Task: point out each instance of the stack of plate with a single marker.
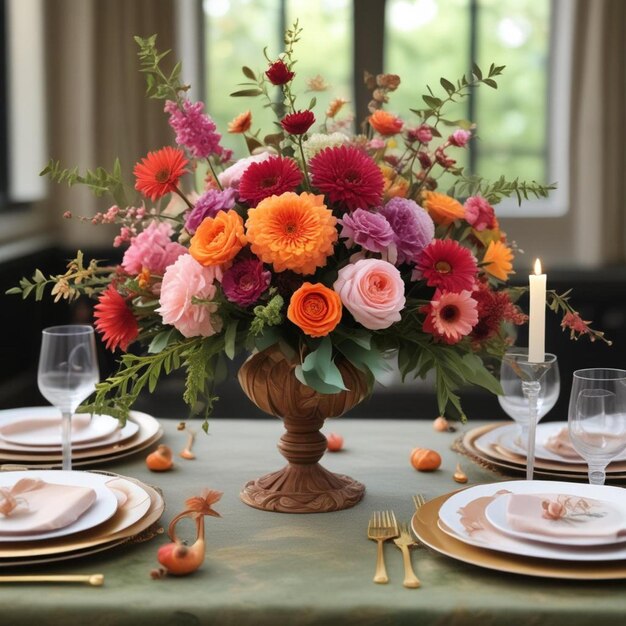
(497, 446)
(123, 509)
(502, 526)
(31, 437)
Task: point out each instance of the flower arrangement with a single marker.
(324, 242)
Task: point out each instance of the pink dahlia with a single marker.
(183, 281)
(371, 231)
(152, 249)
(349, 176)
(446, 264)
(479, 213)
(245, 281)
(114, 320)
(271, 177)
(450, 316)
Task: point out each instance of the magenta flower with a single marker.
(460, 137)
(152, 249)
(479, 213)
(371, 231)
(245, 281)
(414, 229)
(194, 129)
(208, 205)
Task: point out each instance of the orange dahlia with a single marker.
(498, 260)
(442, 208)
(315, 309)
(241, 123)
(158, 173)
(292, 232)
(385, 123)
(218, 239)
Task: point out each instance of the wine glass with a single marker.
(68, 373)
(597, 418)
(514, 401)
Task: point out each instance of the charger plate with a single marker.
(425, 527)
(150, 431)
(112, 533)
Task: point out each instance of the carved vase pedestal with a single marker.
(303, 485)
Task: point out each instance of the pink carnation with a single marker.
(479, 213)
(460, 137)
(373, 291)
(184, 280)
(231, 176)
(152, 249)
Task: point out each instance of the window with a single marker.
(518, 133)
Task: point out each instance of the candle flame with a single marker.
(537, 267)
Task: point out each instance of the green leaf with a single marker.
(318, 366)
(161, 340)
(267, 338)
(492, 83)
(312, 103)
(230, 337)
(476, 71)
(432, 101)
(364, 359)
(246, 92)
(311, 379)
(447, 85)
(248, 73)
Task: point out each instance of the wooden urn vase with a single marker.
(303, 485)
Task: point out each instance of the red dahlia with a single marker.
(347, 175)
(278, 73)
(494, 307)
(115, 320)
(298, 123)
(159, 172)
(271, 177)
(446, 264)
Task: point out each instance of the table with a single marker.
(276, 569)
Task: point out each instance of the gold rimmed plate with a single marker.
(425, 527)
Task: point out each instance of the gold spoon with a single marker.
(95, 580)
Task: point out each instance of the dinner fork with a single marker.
(418, 501)
(404, 542)
(382, 526)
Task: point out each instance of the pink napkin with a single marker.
(558, 515)
(561, 444)
(35, 506)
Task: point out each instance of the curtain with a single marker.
(97, 108)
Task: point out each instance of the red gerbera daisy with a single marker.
(271, 177)
(159, 172)
(115, 320)
(348, 175)
(298, 123)
(446, 264)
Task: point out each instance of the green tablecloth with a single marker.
(271, 568)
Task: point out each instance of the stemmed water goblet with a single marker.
(530, 391)
(597, 418)
(67, 374)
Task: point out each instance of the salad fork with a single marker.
(418, 501)
(382, 526)
(404, 542)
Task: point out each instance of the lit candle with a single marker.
(537, 316)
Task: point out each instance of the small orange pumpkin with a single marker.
(425, 460)
(334, 442)
(160, 460)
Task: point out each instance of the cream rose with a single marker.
(373, 291)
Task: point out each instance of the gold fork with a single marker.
(418, 500)
(382, 526)
(404, 542)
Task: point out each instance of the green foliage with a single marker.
(319, 371)
(493, 192)
(267, 315)
(159, 84)
(99, 181)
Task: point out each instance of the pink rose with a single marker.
(231, 176)
(479, 213)
(460, 137)
(373, 291)
(183, 281)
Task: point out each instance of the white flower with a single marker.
(318, 141)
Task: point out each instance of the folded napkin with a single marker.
(34, 506)
(558, 515)
(561, 444)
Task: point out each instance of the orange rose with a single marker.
(385, 123)
(218, 240)
(442, 208)
(315, 309)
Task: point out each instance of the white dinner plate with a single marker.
(101, 510)
(26, 427)
(478, 531)
(609, 527)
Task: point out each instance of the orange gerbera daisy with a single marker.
(442, 208)
(218, 239)
(395, 185)
(315, 309)
(498, 260)
(241, 124)
(385, 123)
(158, 173)
(292, 232)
